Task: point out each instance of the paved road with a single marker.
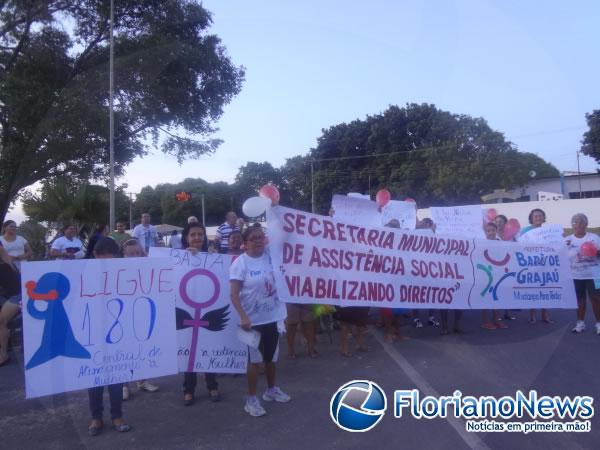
(548, 358)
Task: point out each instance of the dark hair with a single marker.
(503, 217)
(7, 223)
(107, 246)
(186, 230)
(492, 224)
(426, 223)
(235, 232)
(248, 231)
(533, 211)
(100, 228)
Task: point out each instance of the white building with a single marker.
(568, 185)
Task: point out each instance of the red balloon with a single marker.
(511, 229)
(270, 191)
(588, 249)
(383, 197)
(490, 214)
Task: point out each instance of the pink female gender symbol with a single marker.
(196, 323)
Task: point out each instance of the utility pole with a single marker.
(130, 210)
(578, 173)
(111, 120)
(203, 215)
(312, 185)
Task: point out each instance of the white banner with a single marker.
(207, 323)
(465, 221)
(320, 260)
(97, 322)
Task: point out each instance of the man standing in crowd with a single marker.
(145, 233)
(224, 230)
(120, 235)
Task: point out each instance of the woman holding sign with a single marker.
(583, 255)
(107, 248)
(254, 297)
(536, 218)
(193, 239)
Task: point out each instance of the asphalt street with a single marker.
(545, 357)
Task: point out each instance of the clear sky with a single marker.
(531, 69)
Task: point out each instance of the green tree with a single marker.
(591, 138)
(160, 202)
(62, 201)
(433, 156)
(172, 79)
(36, 237)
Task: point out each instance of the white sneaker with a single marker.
(580, 326)
(125, 392)
(147, 386)
(276, 394)
(598, 328)
(253, 407)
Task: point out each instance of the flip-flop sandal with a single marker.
(215, 396)
(95, 430)
(122, 428)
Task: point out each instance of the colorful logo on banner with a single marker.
(501, 264)
(57, 338)
(358, 406)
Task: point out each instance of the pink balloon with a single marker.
(588, 249)
(383, 197)
(270, 191)
(490, 214)
(511, 229)
(408, 199)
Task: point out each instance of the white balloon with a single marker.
(255, 206)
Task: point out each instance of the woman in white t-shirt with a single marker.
(16, 246)
(67, 246)
(583, 250)
(254, 297)
(537, 217)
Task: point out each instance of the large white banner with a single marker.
(207, 323)
(96, 322)
(320, 260)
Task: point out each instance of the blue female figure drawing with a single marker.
(57, 339)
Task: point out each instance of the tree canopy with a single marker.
(61, 201)
(591, 138)
(419, 151)
(172, 79)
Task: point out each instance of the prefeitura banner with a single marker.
(319, 260)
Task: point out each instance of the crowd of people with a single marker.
(252, 285)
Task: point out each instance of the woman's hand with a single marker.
(245, 323)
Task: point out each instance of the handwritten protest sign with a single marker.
(362, 211)
(356, 210)
(466, 221)
(97, 322)
(551, 234)
(318, 260)
(206, 322)
(405, 213)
